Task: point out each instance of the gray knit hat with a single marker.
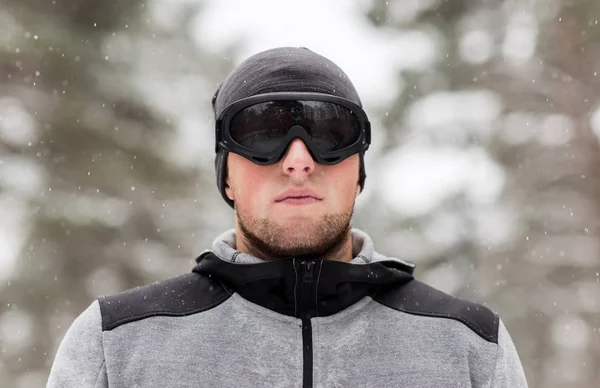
(285, 69)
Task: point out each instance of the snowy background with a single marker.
(484, 167)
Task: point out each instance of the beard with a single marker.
(269, 240)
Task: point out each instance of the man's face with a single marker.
(295, 206)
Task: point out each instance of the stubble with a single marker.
(268, 240)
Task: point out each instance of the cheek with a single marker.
(249, 186)
(345, 182)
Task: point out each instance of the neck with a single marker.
(341, 250)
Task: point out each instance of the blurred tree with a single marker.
(541, 60)
(112, 202)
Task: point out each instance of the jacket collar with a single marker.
(363, 251)
(278, 285)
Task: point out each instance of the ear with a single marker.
(228, 190)
(358, 189)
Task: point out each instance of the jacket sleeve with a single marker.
(79, 361)
(508, 372)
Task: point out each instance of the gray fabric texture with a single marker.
(241, 344)
(79, 360)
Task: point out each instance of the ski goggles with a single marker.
(261, 128)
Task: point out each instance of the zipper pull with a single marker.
(308, 267)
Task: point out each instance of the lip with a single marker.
(298, 196)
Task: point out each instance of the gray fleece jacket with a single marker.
(236, 321)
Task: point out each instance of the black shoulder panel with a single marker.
(418, 298)
(183, 295)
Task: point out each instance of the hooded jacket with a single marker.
(237, 321)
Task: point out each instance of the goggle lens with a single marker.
(262, 126)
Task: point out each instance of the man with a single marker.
(293, 297)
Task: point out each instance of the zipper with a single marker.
(307, 311)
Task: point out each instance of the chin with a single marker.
(297, 220)
(298, 226)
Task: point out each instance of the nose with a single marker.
(297, 161)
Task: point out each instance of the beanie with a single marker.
(284, 69)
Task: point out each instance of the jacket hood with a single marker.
(363, 250)
(332, 285)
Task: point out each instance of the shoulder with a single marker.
(418, 298)
(79, 359)
(179, 296)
